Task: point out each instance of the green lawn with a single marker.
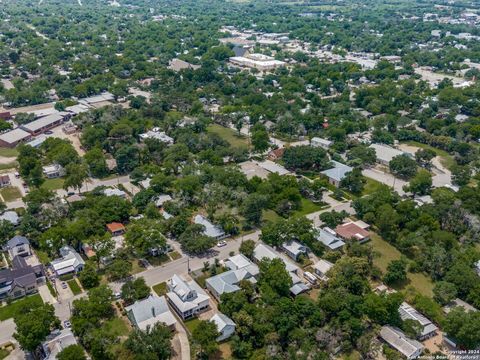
(160, 289)
(174, 255)
(229, 135)
(270, 216)
(7, 152)
(4, 353)
(9, 311)
(53, 184)
(74, 287)
(8, 166)
(115, 327)
(192, 324)
(371, 186)
(308, 207)
(10, 193)
(386, 253)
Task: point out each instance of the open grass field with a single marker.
(10, 193)
(8, 152)
(9, 311)
(53, 184)
(8, 166)
(74, 287)
(386, 253)
(308, 207)
(229, 135)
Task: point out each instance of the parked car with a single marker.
(64, 285)
(222, 243)
(143, 263)
(66, 324)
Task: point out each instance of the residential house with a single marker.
(459, 303)
(351, 231)
(294, 249)
(177, 65)
(320, 142)
(186, 297)
(156, 134)
(386, 153)
(162, 199)
(69, 262)
(56, 342)
(116, 229)
(210, 230)
(18, 246)
(53, 171)
(394, 337)
(276, 154)
(263, 251)
(329, 238)
(10, 216)
(321, 268)
(336, 174)
(150, 311)
(225, 326)
(115, 192)
(227, 282)
(4, 180)
(409, 313)
(21, 279)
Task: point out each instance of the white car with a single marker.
(222, 243)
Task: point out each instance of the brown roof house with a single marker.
(116, 229)
(351, 231)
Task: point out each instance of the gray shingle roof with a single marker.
(16, 241)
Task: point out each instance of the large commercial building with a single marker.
(257, 61)
(14, 137)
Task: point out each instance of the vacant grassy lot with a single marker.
(74, 287)
(116, 327)
(10, 193)
(308, 207)
(9, 311)
(7, 152)
(229, 135)
(371, 186)
(8, 166)
(160, 289)
(446, 159)
(386, 253)
(53, 184)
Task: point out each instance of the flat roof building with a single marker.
(44, 124)
(386, 153)
(14, 137)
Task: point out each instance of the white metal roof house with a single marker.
(328, 238)
(56, 342)
(225, 326)
(156, 134)
(53, 171)
(150, 311)
(211, 230)
(394, 337)
(428, 328)
(336, 174)
(114, 192)
(294, 249)
(10, 216)
(321, 268)
(227, 282)
(187, 298)
(70, 262)
(320, 142)
(162, 199)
